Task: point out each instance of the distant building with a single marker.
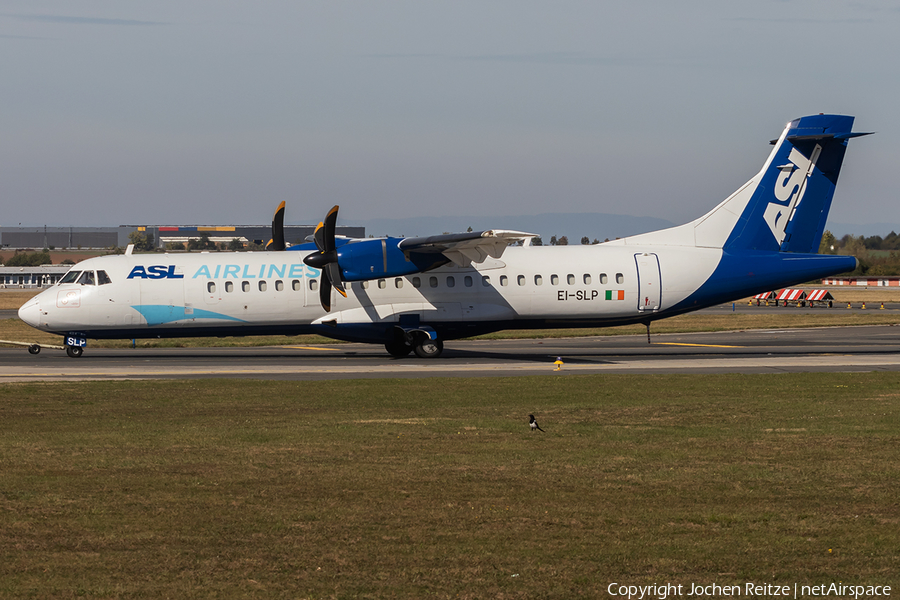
(15, 238)
(63, 237)
(31, 277)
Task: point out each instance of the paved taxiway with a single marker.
(864, 348)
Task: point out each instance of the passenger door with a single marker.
(649, 282)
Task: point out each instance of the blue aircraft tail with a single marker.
(792, 194)
(769, 230)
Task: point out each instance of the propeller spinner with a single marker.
(326, 259)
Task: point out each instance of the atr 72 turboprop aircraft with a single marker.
(411, 294)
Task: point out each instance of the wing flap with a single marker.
(463, 249)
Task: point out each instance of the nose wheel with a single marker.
(74, 351)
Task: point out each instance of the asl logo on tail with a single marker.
(790, 185)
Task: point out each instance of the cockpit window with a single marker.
(87, 278)
(103, 278)
(70, 277)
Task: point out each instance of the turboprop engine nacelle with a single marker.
(361, 260)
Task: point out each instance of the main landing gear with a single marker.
(398, 349)
(429, 348)
(424, 347)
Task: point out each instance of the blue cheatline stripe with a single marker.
(157, 314)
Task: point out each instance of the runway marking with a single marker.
(768, 364)
(312, 348)
(697, 345)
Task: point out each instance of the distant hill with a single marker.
(573, 225)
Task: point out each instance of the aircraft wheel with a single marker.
(430, 349)
(74, 351)
(34, 349)
(398, 349)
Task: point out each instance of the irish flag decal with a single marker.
(615, 294)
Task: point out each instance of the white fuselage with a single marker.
(275, 292)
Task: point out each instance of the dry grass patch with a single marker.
(13, 299)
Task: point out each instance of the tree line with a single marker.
(876, 255)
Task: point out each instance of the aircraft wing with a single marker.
(463, 249)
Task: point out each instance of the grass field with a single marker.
(436, 488)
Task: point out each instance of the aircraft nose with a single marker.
(30, 312)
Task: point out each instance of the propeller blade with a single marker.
(277, 242)
(325, 292)
(333, 273)
(326, 259)
(330, 222)
(319, 237)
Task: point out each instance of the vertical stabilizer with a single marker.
(784, 206)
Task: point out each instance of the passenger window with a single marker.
(313, 285)
(485, 281)
(295, 285)
(468, 281)
(554, 279)
(262, 286)
(70, 277)
(521, 279)
(364, 285)
(245, 286)
(382, 284)
(229, 287)
(504, 280)
(451, 282)
(603, 278)
(279, 285)
(587, 279)
(570, 279)
(103, 278)
(211, 287)
(417, 283)
(620, 278)
(87, 278)
(432, 281)
(398, 282)
(538, 280)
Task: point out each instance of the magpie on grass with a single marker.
(533, 424)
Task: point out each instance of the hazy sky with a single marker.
(212, 112)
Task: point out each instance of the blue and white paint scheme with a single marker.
(411, 294)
